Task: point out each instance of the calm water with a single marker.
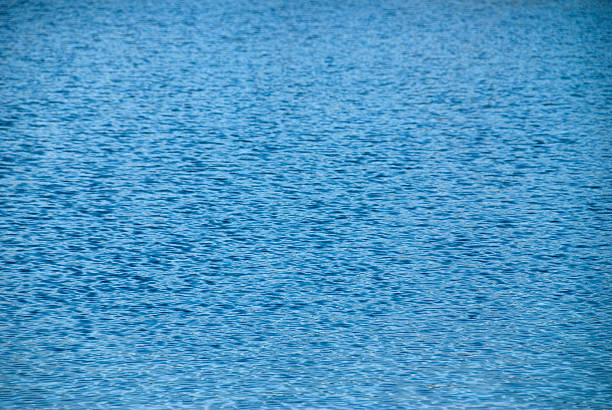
(292, 204)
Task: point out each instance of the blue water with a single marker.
(305, 204)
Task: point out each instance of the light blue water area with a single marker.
(305, 204)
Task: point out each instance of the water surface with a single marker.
(322, 204)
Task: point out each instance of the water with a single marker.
(320, 204)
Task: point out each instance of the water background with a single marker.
(307, 204)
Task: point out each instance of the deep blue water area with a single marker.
(305, 204)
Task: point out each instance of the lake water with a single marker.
(305, 204)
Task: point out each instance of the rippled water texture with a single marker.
(326, 204)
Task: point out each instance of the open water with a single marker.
(305, 204)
